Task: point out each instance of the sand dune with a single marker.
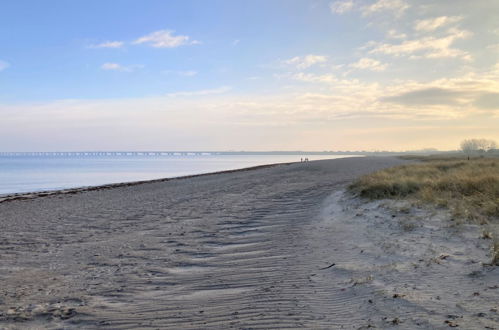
(276, 247)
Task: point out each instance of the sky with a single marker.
(248, 74)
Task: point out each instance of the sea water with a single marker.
(19, 174)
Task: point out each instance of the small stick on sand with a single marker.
(331, 265)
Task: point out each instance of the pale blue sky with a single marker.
(52, 53)
(252, 75)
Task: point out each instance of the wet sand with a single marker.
(275, 247)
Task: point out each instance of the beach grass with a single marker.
(468, 188)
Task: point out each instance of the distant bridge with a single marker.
(163, 153)
(102, 153)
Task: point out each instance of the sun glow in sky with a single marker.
(247, 75)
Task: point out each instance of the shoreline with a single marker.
(44, 193)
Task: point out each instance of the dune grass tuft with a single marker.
(469, 188)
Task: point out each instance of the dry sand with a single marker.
(277, 247)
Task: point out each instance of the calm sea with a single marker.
(20, 174)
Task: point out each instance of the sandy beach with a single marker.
(275, 247)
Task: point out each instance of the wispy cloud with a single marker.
(303, 62)
(165, 39)
(439, 99)
(451, 96)
(341, 7)
(3, 65)
(427, 96)
(369, 64)
(397, 7)
(393, 34)
(314, 78)
(426, 47)
(428, 25)
(473, 91)
(109, 44)
(110, 66)
(494, 47)
(188, 73)
(203, 92)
